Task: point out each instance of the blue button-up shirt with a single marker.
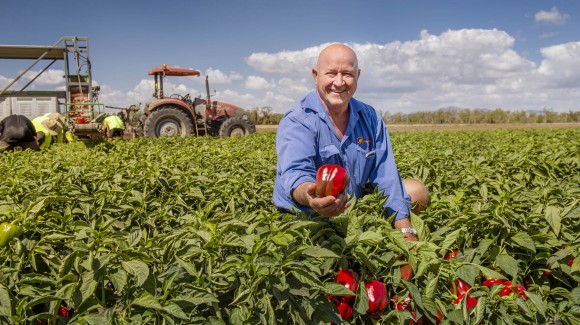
(306, 140)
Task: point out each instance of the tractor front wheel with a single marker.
(167, 122)
(236, 126)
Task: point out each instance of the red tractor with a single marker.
(179, 115)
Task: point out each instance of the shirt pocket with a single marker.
(365, 161)
(330, 154)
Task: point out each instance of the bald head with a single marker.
(337, 51)
(336, 77)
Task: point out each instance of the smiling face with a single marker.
(336, 76)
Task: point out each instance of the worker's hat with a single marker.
(58, 117)
(52, 125)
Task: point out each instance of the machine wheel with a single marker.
(236, 126)
(167, 122)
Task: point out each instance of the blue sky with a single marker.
(414, 55)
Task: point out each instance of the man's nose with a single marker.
(338, 79)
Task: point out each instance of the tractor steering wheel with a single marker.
(178, 96)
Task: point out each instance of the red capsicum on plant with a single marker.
(519, 289)
(377, 297)
(349, 279)
(461, 289)
(331, 180)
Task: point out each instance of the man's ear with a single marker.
(314, 74)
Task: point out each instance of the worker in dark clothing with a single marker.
(17, 131)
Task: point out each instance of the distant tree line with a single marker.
(481, 116)
(265, 116)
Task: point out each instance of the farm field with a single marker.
(183, 231)
(451, 127)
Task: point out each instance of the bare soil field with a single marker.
(450, 127)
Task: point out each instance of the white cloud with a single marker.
(255, 82)
(475, 68)
(290, 63)
(561, 66)
(552, 17)
(218, 77)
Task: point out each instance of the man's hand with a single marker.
(328, 206)
(405, 223)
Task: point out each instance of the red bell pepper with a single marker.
(331, 180)
(461, 287)
(402, 305)
(344, 308)
(406, 272)
(377, 297)
(451, 254)
(520, 290)
(470, 303)
(490, 282)
(65, 311)
(349, 279)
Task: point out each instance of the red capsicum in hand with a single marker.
(377, 297)
(8, 231)
(331, 180)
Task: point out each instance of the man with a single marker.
(329, 126)
(47, 130)
(113, 126)
(17, 131)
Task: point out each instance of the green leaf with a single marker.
(524, 240)
(336, 289)
(489, 273)
(118, 279)
(88, 285)
(5, 303)
(450, 240)
(508, 264)
(173, 309)
(145, 299)
(96, 319)
(319, 252)
(552, 215)
(537, 301)
(370, 238)
(468, 273)
(138, 269)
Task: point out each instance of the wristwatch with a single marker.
(409, 230)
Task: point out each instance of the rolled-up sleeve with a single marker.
(296, 150)
(385, 176)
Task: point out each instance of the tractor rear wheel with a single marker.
(236, 126)
(168, 122)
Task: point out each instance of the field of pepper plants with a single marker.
(183, 231)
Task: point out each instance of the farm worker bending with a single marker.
(329, 126)
(47, 130)
(64, 135)
(17, 131)
(113, 126)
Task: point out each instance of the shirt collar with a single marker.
(313, 102)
